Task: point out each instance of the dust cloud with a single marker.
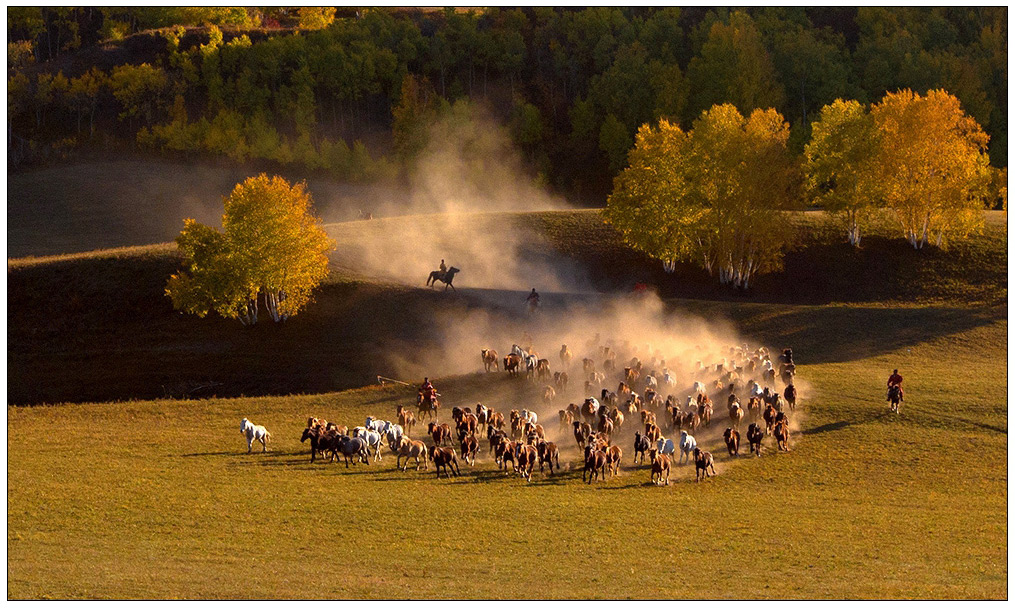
(455, 208)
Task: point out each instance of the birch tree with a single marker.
(650, 203)
(714, 196)
(840, 164)
(271, 251)
(933, 166)
(742, 176)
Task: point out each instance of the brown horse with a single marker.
(525, 458)
(543, 369)
(490, 360)
(613, 456)
(769, 416)
(702, 462)
(411, 449)
(782, 435)
(732, 438)
(660, 465)
(736, 414)
(548, 395)
(470, 447)
(445, 457)
(565, 356)
(548, 454)
(595, 464)
(653, 433)
(511, 364)
(755, 434)
(754, 408)
(690, 421)
(440, 433)
(582, 432)
(405, 419)
(427, 406)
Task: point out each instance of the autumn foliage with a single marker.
(271, 250)
(715, 195)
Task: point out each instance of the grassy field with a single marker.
(157, 499)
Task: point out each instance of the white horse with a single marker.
(650, 381)
(394, 435)
(755, 391)
(518, 351)
(253, 432)
(687, 446)
(372, 439)
(699, 388)
(529, 416)
(531, 361)
(665, 446)
(692, 404)
(668, 380)
(379, 426)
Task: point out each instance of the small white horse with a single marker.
(529, 416)
(379, 426)
(692, 404)
(394, 435)
(253, 432)
(665, 446)
(687, 446)
(373, 440)
(650, 381)
(699, 388)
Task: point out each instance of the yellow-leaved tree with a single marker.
(650, 204)
(841, 163)
(271, 249)
(933, 169)
(715, 195)
(745, 178)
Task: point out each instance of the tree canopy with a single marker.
(933, 170)
(271, 249)
(715, 195)
(300, 87)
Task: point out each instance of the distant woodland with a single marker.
(352, 93)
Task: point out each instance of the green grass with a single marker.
(157, 500)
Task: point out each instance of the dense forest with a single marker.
(351, 93)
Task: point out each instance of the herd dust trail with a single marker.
(455, 210)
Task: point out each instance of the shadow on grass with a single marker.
(830, 427)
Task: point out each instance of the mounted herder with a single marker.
(532, 301)
(426, 399)
(443, 274)
(895, 393)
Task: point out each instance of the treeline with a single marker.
(717, 195)
(310, 87)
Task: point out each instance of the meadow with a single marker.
(157, 498)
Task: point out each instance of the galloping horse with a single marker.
(895, 397)
(445, 278)
(427, 405)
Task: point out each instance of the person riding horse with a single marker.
(895, 379)
(443, 268)
(533, 300)
(427, 390)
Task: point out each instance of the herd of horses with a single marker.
(645, 405)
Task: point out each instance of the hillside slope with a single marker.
(97, 326)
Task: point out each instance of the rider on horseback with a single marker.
(895, 379)
(427, 389)
(443, 268)
(533, 300)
